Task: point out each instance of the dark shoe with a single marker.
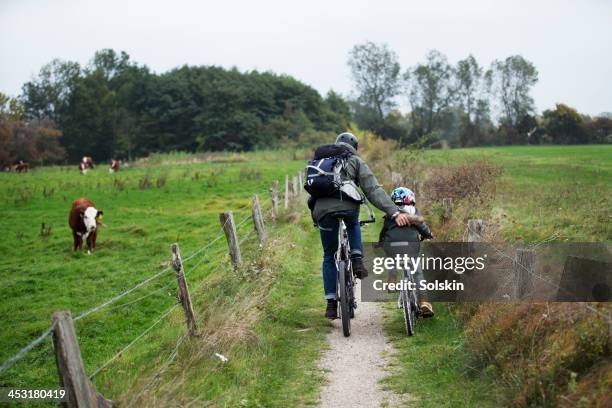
(332, 309)
(359, 268)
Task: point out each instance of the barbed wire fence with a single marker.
(80, 390)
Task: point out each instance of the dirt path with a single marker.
(356, 364)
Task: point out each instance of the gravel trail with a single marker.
(356, 364)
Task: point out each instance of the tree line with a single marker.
(453, 104)
(114, 107)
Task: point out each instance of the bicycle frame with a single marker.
(344, 249)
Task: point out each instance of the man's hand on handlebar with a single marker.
(402, 219)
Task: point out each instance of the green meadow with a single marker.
(267, 315)
(563, 193)
(166, 199)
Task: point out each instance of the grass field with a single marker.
(270, 327)
(146, 209)
(563, 192)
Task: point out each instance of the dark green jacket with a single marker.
(358, 171)
(391, 232)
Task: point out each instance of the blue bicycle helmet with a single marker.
(403, 196)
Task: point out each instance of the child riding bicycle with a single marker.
(406, 240)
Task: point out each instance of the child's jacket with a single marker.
(391, 232)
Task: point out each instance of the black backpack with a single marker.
(323, 171)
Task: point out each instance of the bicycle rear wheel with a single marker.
(345, 300)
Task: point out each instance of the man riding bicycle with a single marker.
(326, 211)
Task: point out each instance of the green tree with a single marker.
(376, 74)
(430, 92)
(339, 111)
(512, 80)
(599, 129)
(10, 108)
(471, 97)
(115, 108)
(564, 125)
(47, 95)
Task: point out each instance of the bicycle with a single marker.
(345, 287)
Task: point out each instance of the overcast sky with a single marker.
(570, 42)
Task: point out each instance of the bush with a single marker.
(462, 181)
(378, 149)
(34, 142)
(544, 351)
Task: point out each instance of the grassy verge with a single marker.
(433, 366)
(266, 319)
(517, 355)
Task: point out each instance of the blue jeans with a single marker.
(328, 228)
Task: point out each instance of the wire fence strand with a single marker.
(121, 295)
(140, 336)
(153, 292)
(21, 353)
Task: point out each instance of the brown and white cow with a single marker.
(86, 164)
(115, 166)
(21, 167)
(84, 220)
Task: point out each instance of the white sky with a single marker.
(570, 42)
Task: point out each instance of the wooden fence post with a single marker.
(274, 194)
(476, 230)
(447, 205)
(80, 392)
(523, 269)
(286, 191)
(258, 221)
(301, 181)
(229, 227)
(184, 297)
(294, 188)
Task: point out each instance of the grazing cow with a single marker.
(115, 166)
(21, 167)
(86, 164)
(84, 220)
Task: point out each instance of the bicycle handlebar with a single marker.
(370, 213)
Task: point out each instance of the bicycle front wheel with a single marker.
(345, 300)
